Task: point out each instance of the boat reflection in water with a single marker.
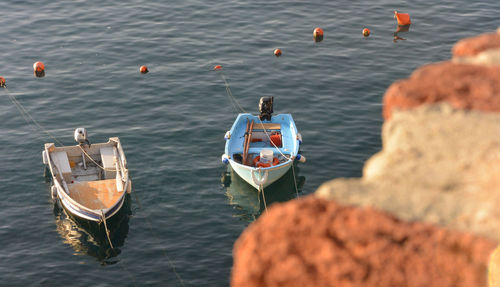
(400, 29)
(248, 203)
(89, 238)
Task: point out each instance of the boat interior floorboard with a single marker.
(101, 194)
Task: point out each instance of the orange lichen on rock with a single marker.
(463, 86)
(475, 45)
(315, 242)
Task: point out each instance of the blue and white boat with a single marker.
(261, 149)
(90, 181)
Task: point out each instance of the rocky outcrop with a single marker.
(476, 45)
(461, 85)
(315, 242)
(494, 268)
(437, 164)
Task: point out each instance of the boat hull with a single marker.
(273, 173)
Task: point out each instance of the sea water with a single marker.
(172, 121)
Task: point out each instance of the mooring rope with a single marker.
(261, 189)
(167, 257)
(28, 118)
(230, 94)
(98, 165)
(103, 217)
(295, 181)
(171, 264)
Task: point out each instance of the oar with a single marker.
(245, 143)
(249, 139)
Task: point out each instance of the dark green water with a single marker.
(172, 121)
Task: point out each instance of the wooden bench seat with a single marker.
(267, 126)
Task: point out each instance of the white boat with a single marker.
(261, 149)
(90, 181)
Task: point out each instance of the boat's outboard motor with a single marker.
(81, 136)
(266, 108)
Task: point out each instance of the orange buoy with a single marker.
(318, 34)
(2, 82)
(257, 163)
(277, 52)
(39, 69)
(218, 67)
(366, 32)
(403, 18)
(143, 69)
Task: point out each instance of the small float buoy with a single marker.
(39, 69)
(143, 69)
(300, 158)
(2, 82)
(277, 52)
(366, 32)
(218, 67)
(225, 159)
(402, 18)
(318, 34)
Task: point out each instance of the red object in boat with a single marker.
(257, 163)
(276, 139)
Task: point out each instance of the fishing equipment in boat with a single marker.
(275, 139)
(258, 163)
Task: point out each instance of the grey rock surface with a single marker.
(438, 164)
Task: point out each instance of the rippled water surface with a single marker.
(172, 121)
